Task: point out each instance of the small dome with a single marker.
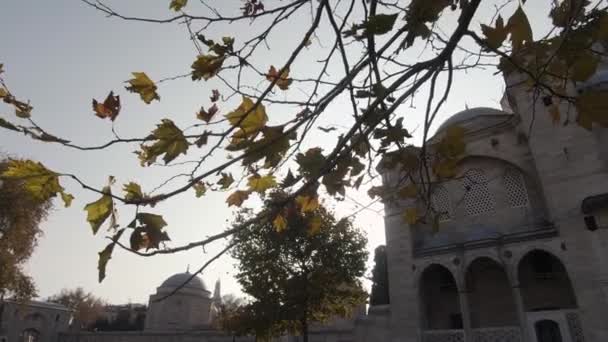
(177, 280)
(469, 114)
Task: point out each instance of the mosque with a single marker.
(521, 253)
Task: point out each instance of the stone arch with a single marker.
(439, 299)
(30, 335)
(544, 282)
(443, 262)
(491, 300)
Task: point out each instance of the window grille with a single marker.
(440, 200)
(515, 188)
(477, 198)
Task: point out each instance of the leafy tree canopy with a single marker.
(263, 119)
(87, 308)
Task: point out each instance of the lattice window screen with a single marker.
(515, 188)
(440, 200)
(477, 198)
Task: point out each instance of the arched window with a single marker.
(547, 331)
(477, 198)
(515, 188)
(31, 335)
(440, 200)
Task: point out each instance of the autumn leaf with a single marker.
(207, 115)
(495, 36)
(408, 191)
(410, 215)
(170, 141)
(133, 192)
(248, 117)
(272, 147)
(307, 203)
(149, 234)
(519, 27)
(279, 223)
(452, 144)
(283, 81)
(40, 182)
(99, 211)
(226, 180)
(314, 225)
(200, 189)
(109, 108)
(380, 24)
(260, 184)
(592, 107)
(144, 86)
(106, 254)
(3, 93)
(177, 5)
(311, 162)
(206, 66)
(215, 95)
(237, 198)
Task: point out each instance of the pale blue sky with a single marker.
(59, 54)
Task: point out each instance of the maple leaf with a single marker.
(592, 107)
(260, 184)
(106, 254)
(150, 233)
(307, 203)
(99, 211)
(237, 198)
(177, 5)
(133, 191)
(279, 223)
(200, 189)
(495, 36)
(314, 225)
(215, 95)
(379, 24)
(519, 27)
(226, 180)
(109, 108)
(207, 115)
(408, 191)
(272, 147)
(144, 86)
(170, 141)
(206, 66)
(3, 93)
(40, 182)
(248, 117)
(311, 162)
(282, 81)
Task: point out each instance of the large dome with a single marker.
(179, 279)
(471, 113)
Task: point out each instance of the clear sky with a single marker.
(59, 54)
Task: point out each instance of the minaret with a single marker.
(217, 295)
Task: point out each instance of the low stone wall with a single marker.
(142, 336)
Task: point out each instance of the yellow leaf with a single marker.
(261, 184)
(40, 182)
(314, 226)
(279, 223)
(520, 29)
(133, 191)
(200, 189)
(248, 117)
(100, 210)
(170, 141)
(237, 198)
(283, 81)
(592, 107)
(452, 145)
(206, 66)
(144, 86)
(3, 93)
(410, 215)
(67, 199)
(226, 180)
(177, 5)
(307, 203)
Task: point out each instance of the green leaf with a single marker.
(272, 147)
(150, 233)
(495, 36)
(170, 141)
(151, 220)
(380, 23)
(311, 162)
(206, 66)
(519, 27)
(144, 86)
(99, 211)
(106, 254)
(177, 5)
(67, 199)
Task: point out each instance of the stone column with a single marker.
(521, 314)
(466, 315)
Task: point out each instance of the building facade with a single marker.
(521, 248)
(33, 321)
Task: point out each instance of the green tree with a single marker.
(87, 308)
(308, 272)
(20, 219)
(379, 295)
(361, 64)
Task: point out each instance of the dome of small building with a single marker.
(472, 113)
(179, 279)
